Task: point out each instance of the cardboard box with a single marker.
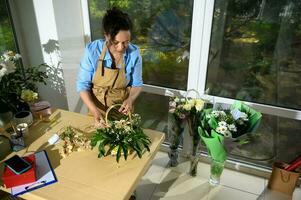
(10, 179)
(282, 180)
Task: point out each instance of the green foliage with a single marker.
(122, 136)
(11, 85)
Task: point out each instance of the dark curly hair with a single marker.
(114, 21)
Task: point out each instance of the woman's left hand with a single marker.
(126, 106)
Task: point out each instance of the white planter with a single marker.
(23, 117)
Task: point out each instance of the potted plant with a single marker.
(14, 78)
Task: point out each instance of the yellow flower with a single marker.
(199, 104)
(191, 102)
(29, 95)
(187, 107)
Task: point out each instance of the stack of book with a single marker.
(40, 174)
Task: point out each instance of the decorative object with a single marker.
(73, 140)
(216, 169)
(219, 123)
(17, 141)
(14, 78)
(185, 110)
(283, 180)
(41, 110)
(23, 117)
(22, 129)
(123, 136)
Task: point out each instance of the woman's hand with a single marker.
(99, 122)
(126, 106)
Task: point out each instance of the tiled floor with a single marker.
(164, 183)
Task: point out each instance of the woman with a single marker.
(111, 69)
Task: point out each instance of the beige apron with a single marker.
(108, 85)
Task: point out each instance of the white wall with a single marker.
(52, 32)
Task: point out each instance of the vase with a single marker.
(23, 117)
(216, 170)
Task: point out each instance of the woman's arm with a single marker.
(87, 99)
(127, 104)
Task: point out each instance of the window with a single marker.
(254, 56)
(162, 30)
(254, 52)
(7, 40)
(246, 50)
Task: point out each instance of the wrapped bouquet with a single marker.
(215, 125)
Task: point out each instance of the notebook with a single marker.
(45, 175)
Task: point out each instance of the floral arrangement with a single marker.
(73, 140)
(121, 137)
(183, 107)
(14, 78)
(215, 125)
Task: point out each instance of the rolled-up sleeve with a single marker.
(137, 71)
(85, 73)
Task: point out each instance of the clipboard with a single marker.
(45, 175)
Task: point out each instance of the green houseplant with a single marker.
(14, 78)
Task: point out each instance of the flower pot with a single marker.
(23, 117)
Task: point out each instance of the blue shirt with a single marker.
(88, 65)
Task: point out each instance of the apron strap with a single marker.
(101, 59)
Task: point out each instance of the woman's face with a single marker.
(120, 43)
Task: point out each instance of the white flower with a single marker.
(215, 113)
(172, 104)
(244, 116)
(17, 56)
(222, 123)
(177, 99)
(3, 70)
(232, 127)
(222, 129)
(228, 134)
(183, 100)
(172, 110)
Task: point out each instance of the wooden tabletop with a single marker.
(82, 175)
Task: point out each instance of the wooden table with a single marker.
(82, 175)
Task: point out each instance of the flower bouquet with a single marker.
(215, 125)
(185, 110)
(121, 137)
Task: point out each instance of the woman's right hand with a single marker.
(99, 122)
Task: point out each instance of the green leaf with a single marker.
(125, 151)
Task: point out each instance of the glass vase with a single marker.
(216, 170)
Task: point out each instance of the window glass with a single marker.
(255, 52)
(162, 30)
(153, 110)
(7, 41)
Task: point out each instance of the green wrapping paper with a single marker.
(214, 144)
(253, 115)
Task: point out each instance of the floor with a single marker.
(165, 183)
